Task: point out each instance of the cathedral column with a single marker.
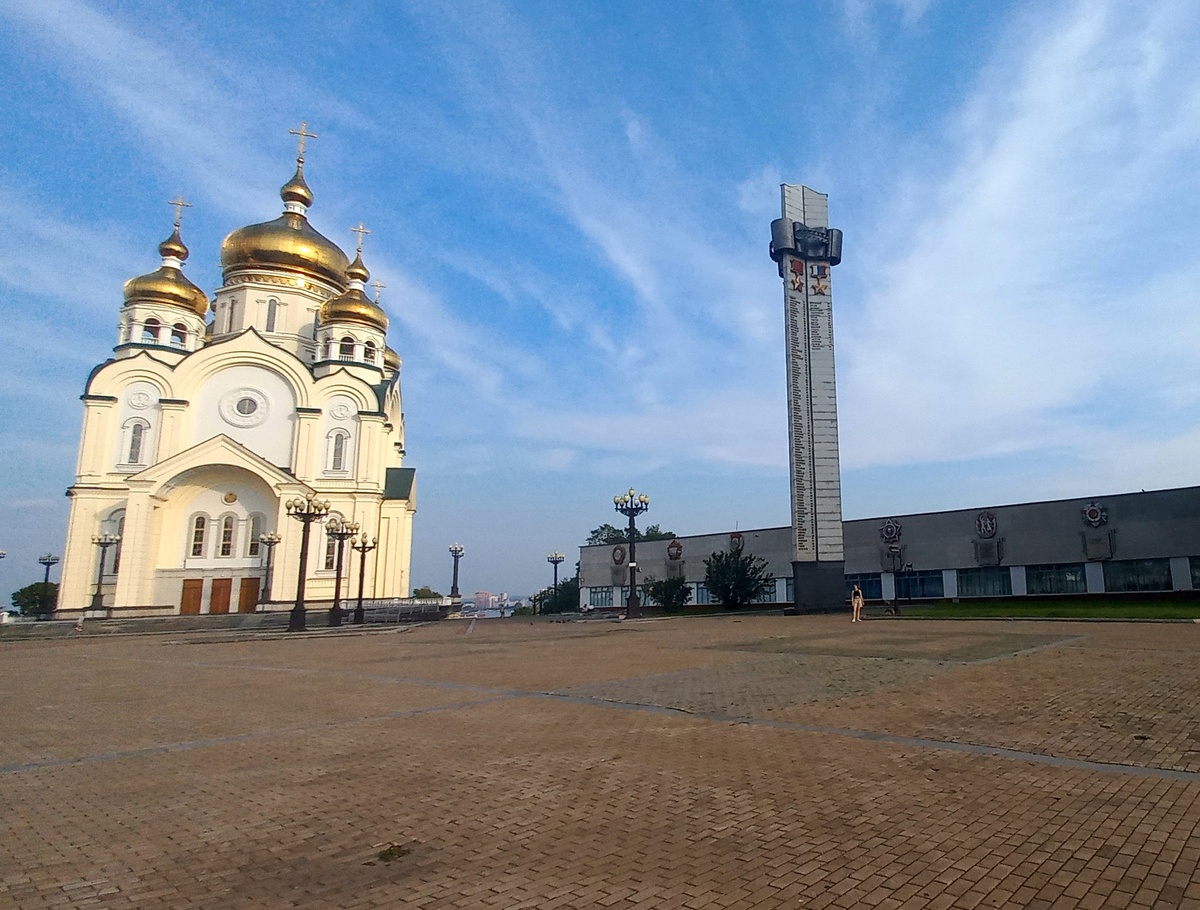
(139, 549)
(308, 453)
(174, 413)
(96, 440)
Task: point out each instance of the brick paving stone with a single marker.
(691, 763)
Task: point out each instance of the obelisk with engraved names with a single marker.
(806, 249)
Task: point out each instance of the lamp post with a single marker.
(270, 541)
(103, 541)
(341, 532)
(632, 504)
(49, 561)
(364, 546)
(305, 510)
(554, 559)
(457, 551)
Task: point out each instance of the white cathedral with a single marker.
(198, 433)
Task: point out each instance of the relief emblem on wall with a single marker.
(1094, 514)
(890, 531)
(674, 550)
(618, 556)
(985, 524)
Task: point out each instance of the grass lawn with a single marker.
(1033, 608)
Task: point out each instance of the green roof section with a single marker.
(398, 483)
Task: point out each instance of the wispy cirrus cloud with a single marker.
(1031, 306)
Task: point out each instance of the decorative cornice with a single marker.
(112, 399)
(311, 285)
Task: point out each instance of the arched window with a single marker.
(272, 313)
(330, 552)
(179, 335)
(346, 349)
(136, 432)
(150, 330)
(369, 352)
(337, 459)
(227, 536)
(117, 519)
(256, 529)
(199, 527)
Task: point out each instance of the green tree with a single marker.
(737, 579)
(606, 534)
(425, 592)
(672, 594)
(564, 600)
(37, 599)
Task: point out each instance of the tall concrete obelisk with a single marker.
(806, 249)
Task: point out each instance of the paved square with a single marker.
(690, 763)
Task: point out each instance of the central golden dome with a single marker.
(289, 243)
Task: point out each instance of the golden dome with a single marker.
(167, 284)
(289, 243)
(357, 270)
(296, 190)
(353, 306)
(391, 360)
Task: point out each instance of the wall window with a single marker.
(330, 552)
(179, 335)
(1127, 575)
(600, 597)
(985, 581)
(1066, 578)
(337, 457)
(119, 518)
(346, 349)
(337, 461)
(150, 329)
(870, 583)
(199, 527)
(369, 352)
(256, 529)
(1195, 566)
(790, 591)
(272, 313)
(768, 596)
(227, 536)
(137, 441)
(926, 583)
(703, 595)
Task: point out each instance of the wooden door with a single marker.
(248, 595)
(193, 589)
(218, 601)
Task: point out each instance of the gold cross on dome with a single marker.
(303, 133)
(180, 205)
(360, 230)
(379, 286)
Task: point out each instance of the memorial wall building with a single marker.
(212, 414)
(1121, 544)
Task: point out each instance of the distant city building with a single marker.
(1122, 544)
(483, 600)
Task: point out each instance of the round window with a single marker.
(247, 406)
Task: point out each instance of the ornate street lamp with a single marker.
(364, 546)
(457, 551)
(632, 504)
(270, 541)
(103, 541)
(49, 562)
(305, 511)
(341, 532)
(554, 559)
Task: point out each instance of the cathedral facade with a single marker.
(212, 415)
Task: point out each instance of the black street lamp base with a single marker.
(297, 623)
(335, 616)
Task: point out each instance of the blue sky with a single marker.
(569, 204)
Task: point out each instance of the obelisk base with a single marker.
(818, 587)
